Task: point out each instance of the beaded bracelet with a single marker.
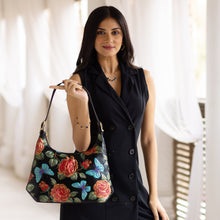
(81, 126)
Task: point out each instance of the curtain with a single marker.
(213, 109)
(13, 72)
(39, 43)
(161, 37)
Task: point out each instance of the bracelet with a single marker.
(81, 126)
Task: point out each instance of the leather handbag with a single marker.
(78, 177)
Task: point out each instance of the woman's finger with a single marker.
(71, 86)
(57, 87)
(71, 80)
(155, 213)
(67, 82)
(163, 214)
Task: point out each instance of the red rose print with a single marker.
(68, 166)
(60, 193)
(85, 164)
(44, 187)
(102, 189)
(93, 150)
(39, 146)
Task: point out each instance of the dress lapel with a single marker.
(127, 80)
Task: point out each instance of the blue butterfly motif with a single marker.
(96, 172)
(82, 185)
(40, 171)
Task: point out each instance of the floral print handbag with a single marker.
(79, 177)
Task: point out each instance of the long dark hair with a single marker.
(87, 53)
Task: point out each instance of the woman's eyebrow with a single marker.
(112, 28)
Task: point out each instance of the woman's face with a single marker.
(109, 38)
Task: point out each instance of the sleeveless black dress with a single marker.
(122, 119)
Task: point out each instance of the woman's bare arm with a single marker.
(77, 102)
(149, 146)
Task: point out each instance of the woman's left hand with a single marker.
(158, 209)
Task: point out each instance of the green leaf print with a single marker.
(50, 154)
(53, 162)
(74, 176)
(73, 194)
(100, 200)
(99, 149)
(30, 187)
(92, 196)
(44, 198)
(53, 181)
(61, 176)
(40, 156)
(63, 155)
(34, 163)
(77, 200)
(82, 155)
(99, 137)
(82, 175)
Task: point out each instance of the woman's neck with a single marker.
(109, 64)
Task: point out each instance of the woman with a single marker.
(124, 98)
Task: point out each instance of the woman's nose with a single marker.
(108, 38)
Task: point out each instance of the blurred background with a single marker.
(177, 41)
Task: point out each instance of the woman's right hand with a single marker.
(73, 88)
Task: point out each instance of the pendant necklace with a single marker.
(109, 79)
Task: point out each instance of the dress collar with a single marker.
(95, 68)
(128, 76)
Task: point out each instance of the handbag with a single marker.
(78, 177)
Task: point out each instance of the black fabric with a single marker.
(122, 119)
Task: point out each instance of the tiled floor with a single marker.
(16, 203)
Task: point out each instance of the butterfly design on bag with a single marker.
(43, 170)
(85, 189)
(96, 173)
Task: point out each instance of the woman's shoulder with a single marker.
(80, 76)
(77, 77)
(147, 75)
(149, 80)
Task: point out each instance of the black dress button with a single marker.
(132, 198)
(131, 151)
(111, 128)
(114, 198)
(131, 176)
(130, 127)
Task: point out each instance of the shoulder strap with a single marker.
(90, 99)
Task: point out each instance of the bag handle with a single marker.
(90, 99)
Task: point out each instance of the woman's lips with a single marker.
(108, 47)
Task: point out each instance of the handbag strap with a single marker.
(90, 99)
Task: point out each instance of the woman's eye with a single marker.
(115, 32)
(100, 32)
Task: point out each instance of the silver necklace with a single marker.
(109, 79)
